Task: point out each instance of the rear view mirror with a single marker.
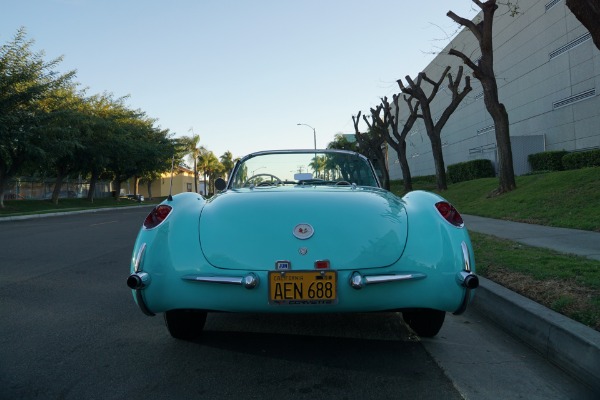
(220, 184)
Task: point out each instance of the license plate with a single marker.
(302, 287)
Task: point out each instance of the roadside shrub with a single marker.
(547, 160)
(469, 170)
(582, 159)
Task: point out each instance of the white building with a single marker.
(548, 74)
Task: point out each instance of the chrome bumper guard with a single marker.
(358, 281)
(249, 281)
(139, 280)
(467, 279)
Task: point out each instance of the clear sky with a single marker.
(240, 73)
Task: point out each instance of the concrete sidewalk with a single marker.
(568, 344)
(569, 241)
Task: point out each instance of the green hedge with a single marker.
(561, 160)
(547, 161)
(582, 159)
(466, 171)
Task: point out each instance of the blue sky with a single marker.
(240, 73)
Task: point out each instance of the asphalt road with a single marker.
(69, 329)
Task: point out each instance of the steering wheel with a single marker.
(273, 177)
(343, 183)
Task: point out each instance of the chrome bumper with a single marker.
(139, 280)
(467, 279)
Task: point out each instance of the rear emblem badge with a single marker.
(283, 265)
(303, 231)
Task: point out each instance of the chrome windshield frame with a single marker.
(242, 161)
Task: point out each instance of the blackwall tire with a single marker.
(425, 322)
(185, 324)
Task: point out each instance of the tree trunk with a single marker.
(438, 158)
(588, 13)
(506, 175)
(136, 182)
(92, 189)
(57, 186)
(484, 72)
(149, 190)
(117, 190)
(406, 177)
(385, 174)
(3, 182)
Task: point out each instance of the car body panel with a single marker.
(352, 228)
(388, 253)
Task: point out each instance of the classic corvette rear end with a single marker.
(303, 232)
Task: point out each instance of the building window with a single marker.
(574, 43)
(574, 99)
(551, 4)
(189, 187)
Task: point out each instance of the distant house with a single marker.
(183, 181)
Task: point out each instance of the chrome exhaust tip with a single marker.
(471, 281)
(468, 280)
(138, 280)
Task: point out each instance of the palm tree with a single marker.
(227, 161)
(318, 165)
(193, 150)
(209, 164)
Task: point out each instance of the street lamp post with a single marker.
(314, 133)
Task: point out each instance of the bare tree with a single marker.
(371, 144)
(396, 138)
(588, 13)
(483, 70)
(434, 129)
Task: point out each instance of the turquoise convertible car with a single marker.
(302, 231)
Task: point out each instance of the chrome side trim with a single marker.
(249, 281)
(358, 281)
(138, 258)
(466, 256)
(140, 280)
(467, 279)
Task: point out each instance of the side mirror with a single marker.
(220, 184)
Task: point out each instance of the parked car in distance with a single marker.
(135, 197)
(302, 231)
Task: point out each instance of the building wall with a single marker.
(548, 74)
(183, 181)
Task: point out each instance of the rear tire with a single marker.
(425, 322)
(185, 324)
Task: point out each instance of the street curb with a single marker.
(59, 213)
(570, 345)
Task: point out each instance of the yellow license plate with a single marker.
(302, 287)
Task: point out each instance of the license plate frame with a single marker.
(303, 287)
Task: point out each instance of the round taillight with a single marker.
(449, 213)
(157, 216)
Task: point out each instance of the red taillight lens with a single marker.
(449, 213)
(157, 216)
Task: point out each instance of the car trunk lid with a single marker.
(252, 229)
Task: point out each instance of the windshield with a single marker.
(307, 167)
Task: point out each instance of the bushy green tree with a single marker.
(26, 80)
